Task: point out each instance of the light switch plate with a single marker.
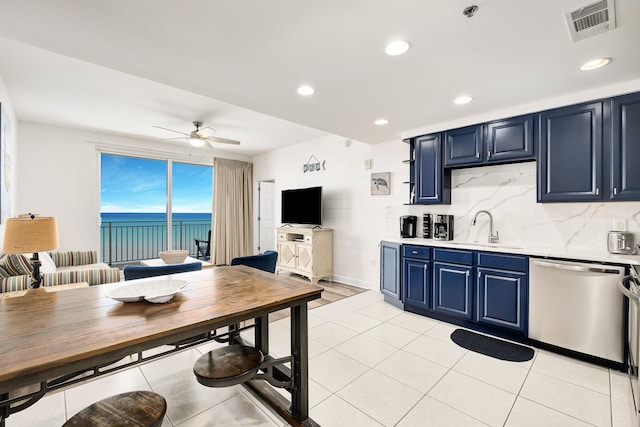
(619, 224)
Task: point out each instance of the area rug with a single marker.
(490, 346)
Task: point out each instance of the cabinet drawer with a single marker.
(503, 261)
(307, 238)
(282, 236)
(453, 256)
(413, 251)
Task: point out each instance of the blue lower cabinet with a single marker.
(416, 281)
(390, 269)
(502, 299)
(453, 289)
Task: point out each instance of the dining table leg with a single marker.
(4, 410)
(300, 364)
(262, 334)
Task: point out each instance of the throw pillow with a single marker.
(16, 264)
(47, 264)
(4, 273)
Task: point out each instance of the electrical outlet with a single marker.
(619, 224)
(373, 262)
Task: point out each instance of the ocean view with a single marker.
(134, 236)
(152, 217)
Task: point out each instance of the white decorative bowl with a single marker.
(154, 290)
(174, 257)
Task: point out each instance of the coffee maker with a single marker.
(443, 227)
(427, 229)
(408, 225)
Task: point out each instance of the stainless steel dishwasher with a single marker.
(577, 306)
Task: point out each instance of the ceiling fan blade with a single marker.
(213, 139)
(171, 130)
(208, 127)
(184, 138)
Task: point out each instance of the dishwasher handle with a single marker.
(582, 268)
(626, 292)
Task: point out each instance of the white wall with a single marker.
(356, 217)
(59, 175)
(12, 151)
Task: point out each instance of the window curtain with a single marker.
(232, 210)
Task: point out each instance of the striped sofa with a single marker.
(58, 268)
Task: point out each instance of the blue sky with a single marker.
(130, 184)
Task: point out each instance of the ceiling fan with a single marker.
(199, 136)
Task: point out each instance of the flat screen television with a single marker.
(302, 206)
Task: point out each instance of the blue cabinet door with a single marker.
(464, 146)
(416, 282)
(502, 298)
(510, 139)
(390, 269)
(453, 289)
(625, 146)
(570, 154)
(432, 183)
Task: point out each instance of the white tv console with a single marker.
(306, 251)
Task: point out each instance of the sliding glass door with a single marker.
(141, 199)
(192, 202)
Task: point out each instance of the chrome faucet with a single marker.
(493, 238)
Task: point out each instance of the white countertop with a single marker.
(586, 254)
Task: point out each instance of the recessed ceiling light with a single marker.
(464, 99)
(382, 122)
(306, 90)
(595, 64)
(396, 48)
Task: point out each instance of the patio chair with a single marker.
(265, 261)
(203, 247)
(141, 271)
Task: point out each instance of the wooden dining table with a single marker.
(51, 340)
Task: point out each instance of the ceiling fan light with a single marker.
(196, 142)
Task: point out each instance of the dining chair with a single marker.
(141, 271)
(203, 247)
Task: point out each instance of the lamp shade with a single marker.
(30, 233)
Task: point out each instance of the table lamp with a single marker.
(31, 233)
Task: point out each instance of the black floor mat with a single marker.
(491, 346)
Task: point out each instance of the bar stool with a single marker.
(229, 365)
(135, 409)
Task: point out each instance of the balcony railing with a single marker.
(132, 241)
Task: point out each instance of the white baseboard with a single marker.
(355, 282)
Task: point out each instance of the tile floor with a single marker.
(374, 365)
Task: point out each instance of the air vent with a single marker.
(592, 19)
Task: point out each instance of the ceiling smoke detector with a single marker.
(592, 19)
(469, 11)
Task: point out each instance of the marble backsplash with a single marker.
(509, 193)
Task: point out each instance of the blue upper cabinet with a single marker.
(570, 154)
(510, 139)
(432, 182)
(625, 148)
(500, 141)
(464, 146)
